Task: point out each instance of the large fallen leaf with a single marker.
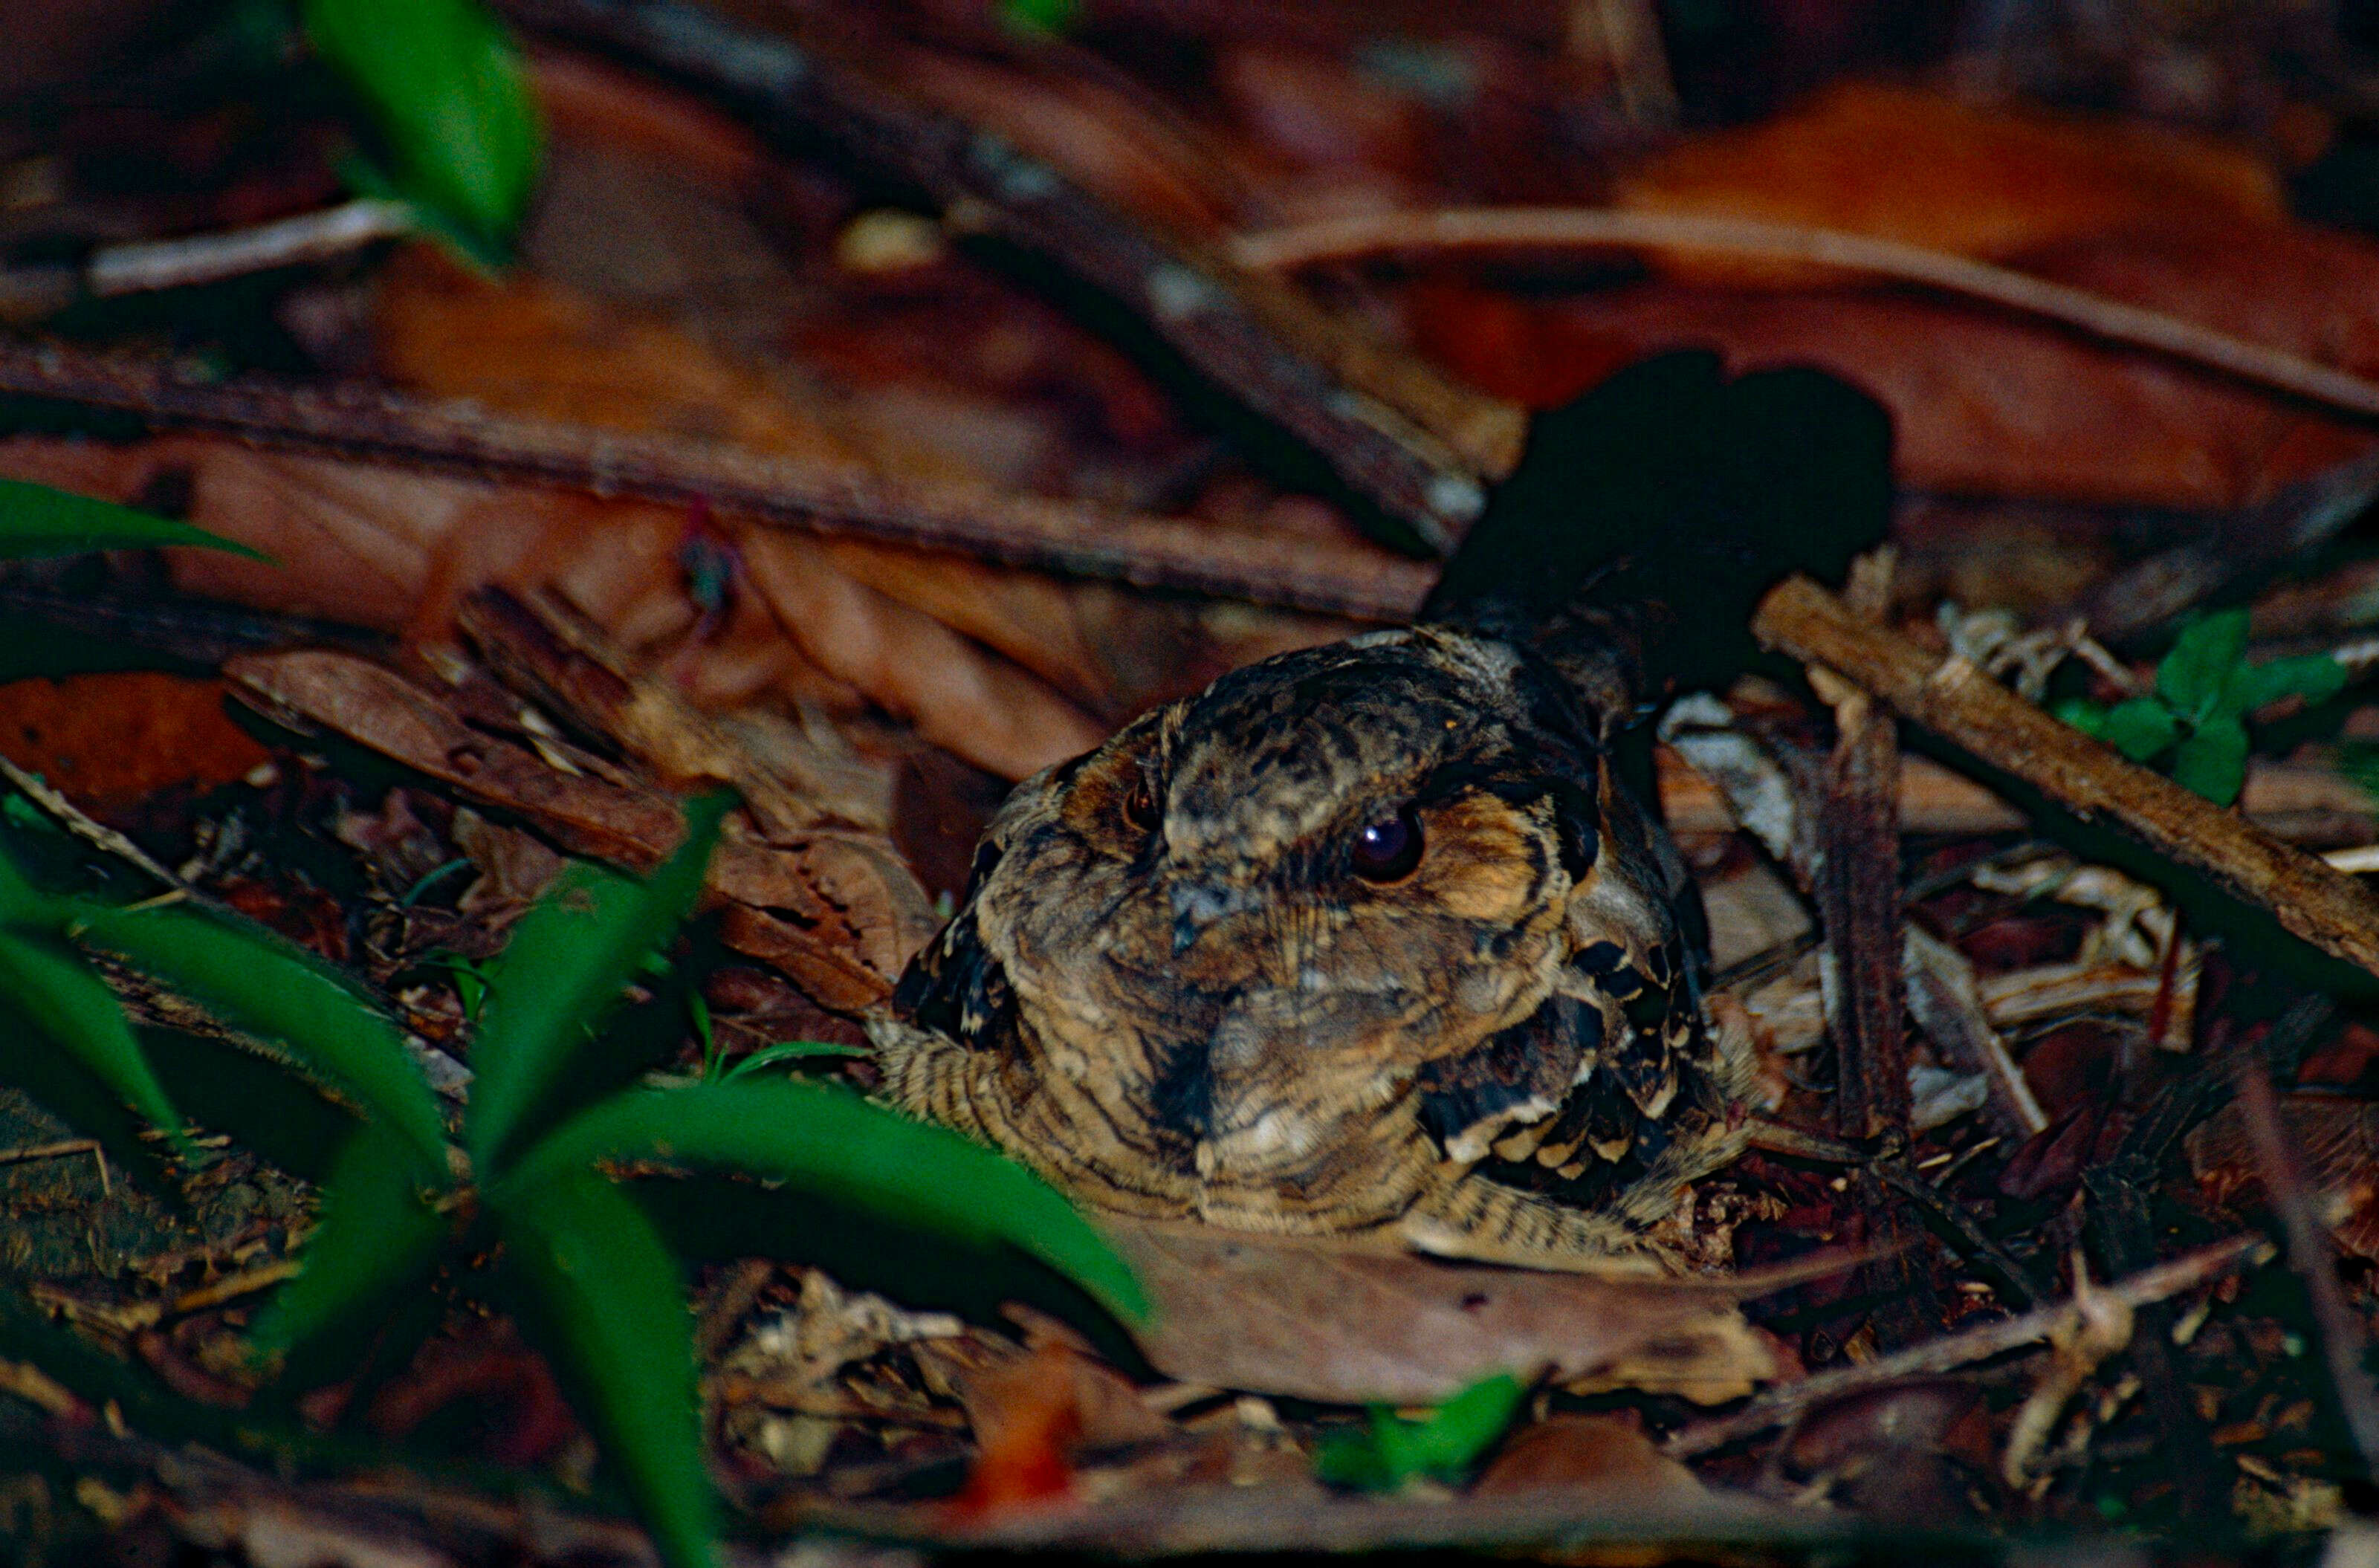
(1987, 403)
(1906, 164)
(1307, 1319)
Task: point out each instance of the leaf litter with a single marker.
(2069, 1014)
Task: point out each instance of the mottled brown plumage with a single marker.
(1365, 939)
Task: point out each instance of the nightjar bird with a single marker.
(1378, 939)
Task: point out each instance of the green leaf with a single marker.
(1444, 1446)
(568, 961)
(37, 520)
(2140, 728)
(2316, 677)
(606, 1295)
(1050, 19)
(2196, 675)
(829, 1140)
(2213, 762)
(374, 1234)
(65, 999)
(21, 903)
(444, 85)
(788, 1051)
(268, 987)
(2083, 714)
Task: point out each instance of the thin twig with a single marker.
(1474, 228)
(144, 266)
(26, 1152)
(71, 817)
(1074, 537)
(1956, 700)
(1963, 1350)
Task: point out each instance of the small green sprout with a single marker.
(2205, 689)
(1444, 1446)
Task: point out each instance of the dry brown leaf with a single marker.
(111, 739)
(531, 347)
(837, 911)
(959, 695)
(1591, 1456)
(376, 707)
(1985, 403)
(1303, 1318)
(2337, 1142)
(1906, 164)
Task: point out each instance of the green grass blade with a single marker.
(65, 998)
(37, 520)
(374, 1234)
(568, 961)
(445, 87)
(830, 1141)
(767, 1057)
(268, 986)
(608, 1306)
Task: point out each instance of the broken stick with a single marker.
(1954, 699)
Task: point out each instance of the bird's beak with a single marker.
(1198, 905)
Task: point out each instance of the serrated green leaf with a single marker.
(610, 1310)
(65, 998)
(444, 85)
(374, 1234)
(2213, 762)
(2316, 677)
(38, 520)
(268, 987)
(829, 1140)
(2140, 728)
(788, 1051)
(2195, 676)
(568, 961)
(1444, 1446)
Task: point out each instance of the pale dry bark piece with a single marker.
(1313, 1321)
(1955, 700)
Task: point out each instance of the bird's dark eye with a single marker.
(1141, 807)
(1386, 850)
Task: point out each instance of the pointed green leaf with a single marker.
(67, 1001)
(374, 1234)
(444, 85)
(829, 1140)
(38, 520)
(568, 961)
(2140, 728)
(2213, 762)
(2316, 677)
(606, 1295)
(266, 985)
(2197, 674)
